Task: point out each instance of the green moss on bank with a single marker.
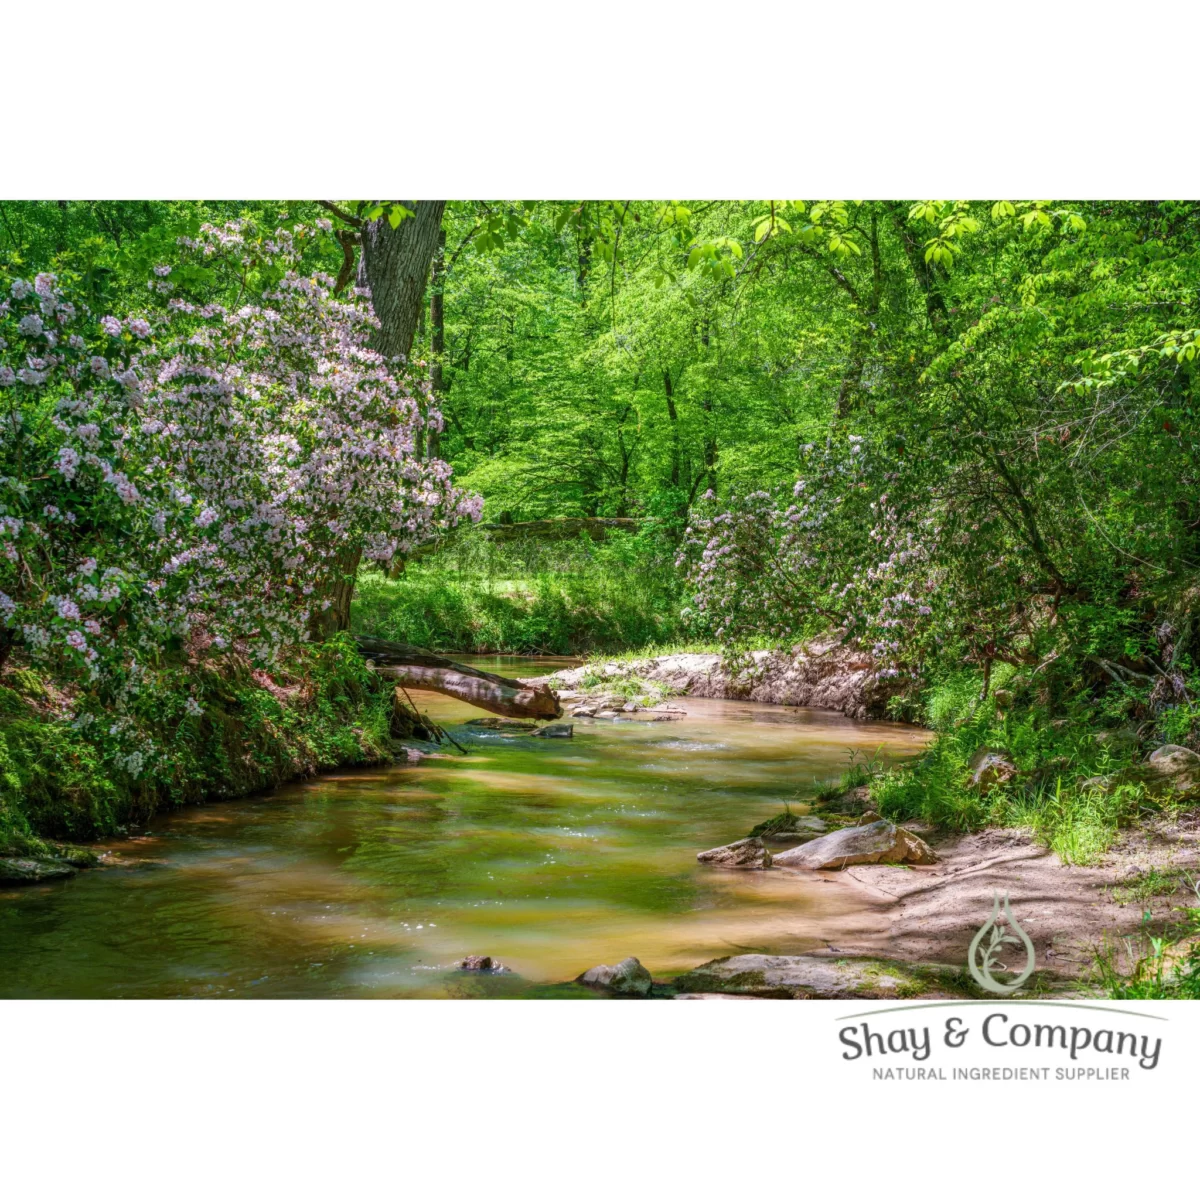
(78, 780)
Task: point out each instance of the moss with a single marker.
(58, 780)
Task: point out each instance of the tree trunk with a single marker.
(395, 266)
(339, 591)
(416, 668)
(673, 416)
(437, 334)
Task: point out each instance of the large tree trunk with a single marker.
(412, 667)
(395, 266)
(437, 335)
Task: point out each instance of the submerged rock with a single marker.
(554, 731)
(879, 842)
(507, 724)
(788, 827)
(797, 977)
(33, 870)
(483, 963)
(747, 855)
(627, 978)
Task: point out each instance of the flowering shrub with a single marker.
(836, 551)
(194, 473)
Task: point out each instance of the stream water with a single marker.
(551, 855)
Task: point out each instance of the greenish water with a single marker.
(550, 855)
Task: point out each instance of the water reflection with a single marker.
(551, 855)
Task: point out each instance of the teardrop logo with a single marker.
(997, 932)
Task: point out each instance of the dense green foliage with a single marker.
(527, 598)
(58, 779)
(966, 432)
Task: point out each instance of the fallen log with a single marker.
(410, 666)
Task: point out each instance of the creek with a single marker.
(551, 855)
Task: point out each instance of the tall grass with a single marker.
(571, 597)
(1054, 759)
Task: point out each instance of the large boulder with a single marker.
(989, 768)
(627, 978)
(879, 842)
(798, 977)
(823, 673)
(747, 855)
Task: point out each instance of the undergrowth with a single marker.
(1067, 787)
(215, 731)
(1156, 967)
(573, 597)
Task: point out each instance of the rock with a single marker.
(747, 855)
(822, 673)
(1176, 768)
(1127, 735)
(868, 818)
(33, 870)
(880, 842)
(989, 768)
(627, 978)
(856, 800)
(798, 977)
(74, 856)
(583, 711)
(608, 714)
(504, 723)
(482, 962)
(788, 827)
(554, 731)
(631, 707)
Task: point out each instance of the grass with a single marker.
(1148, 885)
(573, 597)
(861, 771)
(1162, 967)
(1056, 761)
(653, 650)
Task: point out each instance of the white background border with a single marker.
(239, 98)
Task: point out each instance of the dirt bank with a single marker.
(928, 915)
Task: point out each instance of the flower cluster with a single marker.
(196, 469)
(834, 551)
